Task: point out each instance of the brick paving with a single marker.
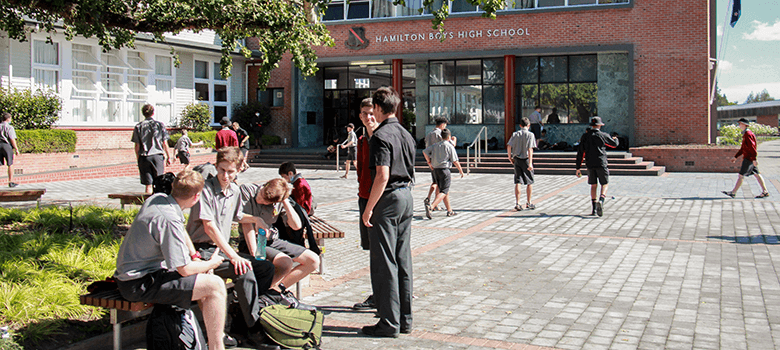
(672, 264)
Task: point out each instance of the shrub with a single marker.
(208, 137)
(195, 116)
(31, 110)
(268, 140)
(46, 141)
(732, 135)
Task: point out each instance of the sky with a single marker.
(749, 53)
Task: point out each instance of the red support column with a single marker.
(398, 85)
(509, 96)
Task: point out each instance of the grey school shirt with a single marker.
(156, 240)
(433, 137)
(521, 141)
(442, 155)
(183, 144)
(351, 137)
(269, 213)
(7, 132)
(150, 134)
(221, 207)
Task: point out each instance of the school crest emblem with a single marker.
(357, 39)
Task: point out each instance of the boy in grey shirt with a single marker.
(151, 147)
(520, 150)
(183, 145)
(351, 145)
(440, 157)
(8, 146)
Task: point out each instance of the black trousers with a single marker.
(248, 286)
(391, 259)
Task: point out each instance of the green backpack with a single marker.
(292, 328)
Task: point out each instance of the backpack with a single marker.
(174, 328)
(207, 170)
(292, 328)
(163, 183)
(297, 236)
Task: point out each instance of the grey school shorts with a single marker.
(6, 154)
(748, 168)
(598, 174)
(443, 178)
(523, 176)
(150, 167)
(281, 246)
(160, 287)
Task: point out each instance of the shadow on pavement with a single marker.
(342, 332)
(342, 309)
(699, 198)
(758, 239)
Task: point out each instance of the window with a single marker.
(271, 97)
(211, 88)
(163, 81)
(568, 83)
(84, 90)
(467, 91)
(46, 65)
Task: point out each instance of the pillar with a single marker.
(398, 85)
(509, 96)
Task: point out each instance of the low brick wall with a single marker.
(697, 158)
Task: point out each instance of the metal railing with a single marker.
(479, 148)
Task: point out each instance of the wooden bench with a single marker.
(137, 198)
(322, 230)
(22, 195)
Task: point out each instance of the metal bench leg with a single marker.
(117, 330)
(321, 243)
(298, 290)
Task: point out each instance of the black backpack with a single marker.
(163, 183)
(297, 236)
(174, 328)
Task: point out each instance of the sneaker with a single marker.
(763, 195)
(12, 184)
(367, 304)
(729, 193)
(293, 302)
(451, 213)
(599, 208)
(518, 207)
(428, 211)
(530, 206)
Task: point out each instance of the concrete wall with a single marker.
(614, 95)
(310, 91)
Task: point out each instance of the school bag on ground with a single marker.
(174, 328)
(292, 328)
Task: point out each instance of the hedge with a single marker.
(732, 135)
(46, 141)
(208, 136)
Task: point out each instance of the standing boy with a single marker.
(209, 226)
(351, 145)
(440, 157)
(593, 146)
(226, 137)
(182, 148)
(388, 214)
(301, 192)
(520, 150)
(155, 263)
(8, 146)
(364, 183)
(536, 122)
(749, 152)
(151, 147)
(243, 143)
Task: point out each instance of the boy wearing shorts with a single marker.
(182, 147)
(520, 150)
(351, 145)
(593, 145)
(440, 157)
(8, 146)
(749, 152)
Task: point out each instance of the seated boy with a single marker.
(209, 226)
(157, 264)
(268, 201)
(301, 192)
(440, 157)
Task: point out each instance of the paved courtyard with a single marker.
(673, 264)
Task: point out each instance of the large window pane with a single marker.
(468, 105)
(520, 4)
(612, 1)
(201, 70)
(201, 92)
(112, 111)
(583, 68)
(550, 3)
(357, 9)
(217, 71)
(411, 8)
(383, 8)
(220, 93)
(162, 66)
(334, 12)
(409, 75)
(584, 101)
(442, 101)
(83, 110)
(372, 77)
(581, 2)
(527, 70)
(219, 113)
(335, 77)
(527, 97)
(408, 100)
(462, 6)
(164, 88)
(553, 96)
(45, 53)
(494, 104)
(442, 73)
(437, 4)
(493, 71)
(468, 72)
(46, 79)
(553, 69)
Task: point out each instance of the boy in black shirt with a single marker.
(593, 146)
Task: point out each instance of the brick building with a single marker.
(642, 66)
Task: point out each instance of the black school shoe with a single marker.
(292, 301)
(365, 305)
(373, 331)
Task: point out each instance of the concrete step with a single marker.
(649, 171)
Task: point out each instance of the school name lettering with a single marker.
(465, 34)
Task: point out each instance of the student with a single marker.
(182, 148)
(243, 143)
(301, 192)
(8, 146)
(151, 147)
(364, 183)
(440, 157)
(156, 263)
(209, 227)
(388, 215)
(749, 152)
(433, 138)
(226, 137)
(351, 145)
(593, 146)
(520, 150)
(267, 202)
(536, 122)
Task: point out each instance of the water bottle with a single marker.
(261, 240)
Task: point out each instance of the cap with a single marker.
(224, 121)
(595, 121)
(744, 120)
(350, 125)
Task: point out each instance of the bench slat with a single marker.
(21, 195)
(322, 229)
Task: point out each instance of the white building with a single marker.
(107, 89)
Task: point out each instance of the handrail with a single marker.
(478, 150)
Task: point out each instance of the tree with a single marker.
(720, 98)
(759, 97)
(280, 26)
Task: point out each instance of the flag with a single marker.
(735, 12)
